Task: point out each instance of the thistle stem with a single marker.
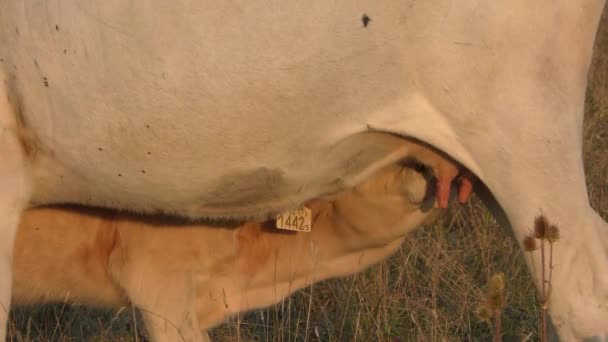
(497, 326)
(543, 310)
(549, 284)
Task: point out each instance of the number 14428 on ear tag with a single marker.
(298, 220)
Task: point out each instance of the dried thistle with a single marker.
(530, 243)
(541, 227)
(543, 231)
(490, 310)
(496, 297)
(552, 234)
(484, 313)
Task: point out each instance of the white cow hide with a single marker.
(243, 108)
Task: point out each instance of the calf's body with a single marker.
(188, 277)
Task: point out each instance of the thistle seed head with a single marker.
(484, 313)
(541, 226)
(496, 298)
(530, 243)
(552, 234)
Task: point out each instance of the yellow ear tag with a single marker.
(298, 220)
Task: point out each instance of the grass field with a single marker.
(429, 291)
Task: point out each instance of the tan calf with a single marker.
(188, 277)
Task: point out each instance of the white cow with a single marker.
(188, 277)
(243, 109)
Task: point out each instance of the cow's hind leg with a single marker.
(14, 195)
(579, 284)
(523, 128)
(544, 175)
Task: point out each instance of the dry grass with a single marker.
(428, 291)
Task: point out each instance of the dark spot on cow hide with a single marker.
(17, 31)
(147, 126)
(242, 188)
(28, 141)
(143, 171)
(65, 51)
(36, 64)
(365, 19)
(120, 175)
(56, 27)
(46, 81)
(149, 153)
(99, 149)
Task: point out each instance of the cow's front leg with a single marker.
(14, 196)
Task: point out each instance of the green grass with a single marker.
(427, 291)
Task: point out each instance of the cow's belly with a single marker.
(212, 111)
